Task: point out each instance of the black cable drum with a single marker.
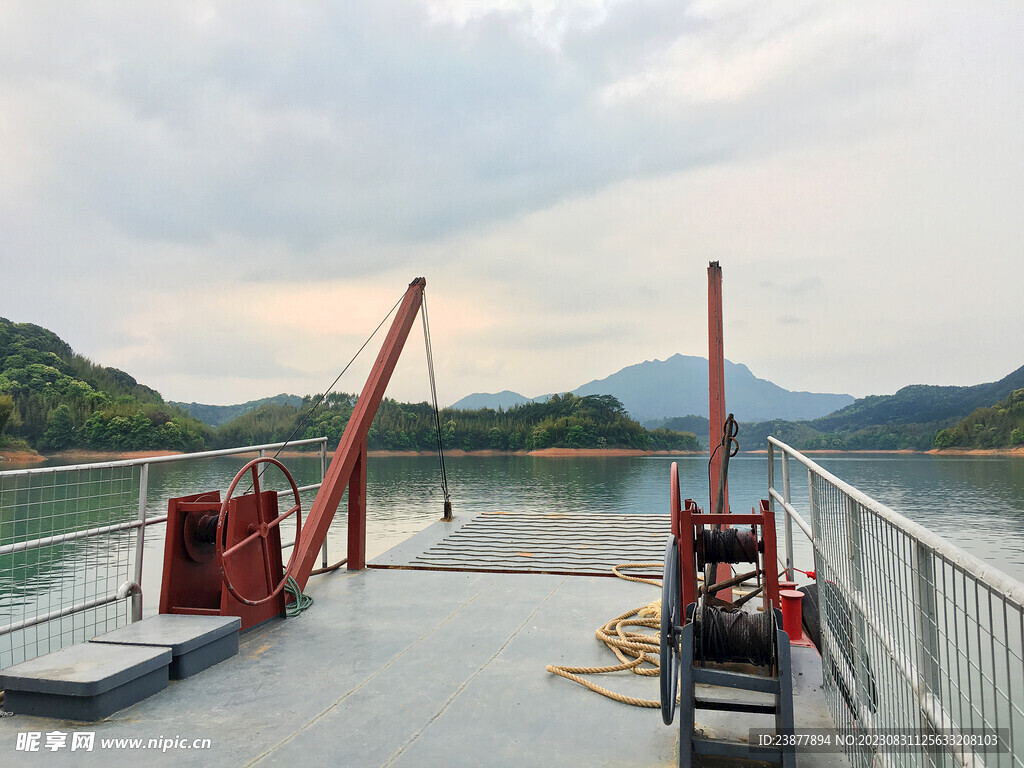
(732, 636)
(731, 545)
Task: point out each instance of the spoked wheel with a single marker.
(670, 623)
(258, 534)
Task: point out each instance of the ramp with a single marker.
(518, 542)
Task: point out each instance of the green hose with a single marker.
(301, 602)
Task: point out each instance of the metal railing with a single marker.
(918, 637)
(71, 548)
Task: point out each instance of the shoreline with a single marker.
(81, 456)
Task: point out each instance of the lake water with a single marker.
(977, 502)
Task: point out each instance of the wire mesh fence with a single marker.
(66, 547)
(919, 639)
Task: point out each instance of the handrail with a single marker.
(977, 568)
(163, 459)
(911, 625)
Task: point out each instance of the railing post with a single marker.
(857, 627)
(789, 520)
(812, 508)
(925, 610)
(140, 542)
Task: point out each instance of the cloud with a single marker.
(177, 177)
(379, 122)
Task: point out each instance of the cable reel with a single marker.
(700, 633)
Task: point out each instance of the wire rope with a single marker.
(327, 391)
(437, 412)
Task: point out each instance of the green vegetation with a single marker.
(564, 421)
(53, 399)
(1000, 426)
(215, 415)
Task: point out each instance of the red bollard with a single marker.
(792, 615)
(786, 584)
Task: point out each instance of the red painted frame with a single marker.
(348, 466)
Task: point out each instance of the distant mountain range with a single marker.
(505, 399)
(678, 386)
(921, 403)
(215, 415)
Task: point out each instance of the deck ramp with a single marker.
(521, 542)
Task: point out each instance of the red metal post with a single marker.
(687, 555)
(357, 513)
(716, 382)
(792, 614)
(716, 405)
(771, 557)
(353, 441)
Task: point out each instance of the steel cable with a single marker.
(437, 412)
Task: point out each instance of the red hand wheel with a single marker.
(258, 534)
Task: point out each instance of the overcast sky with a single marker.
(223, 199)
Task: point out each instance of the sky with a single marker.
(225, 198)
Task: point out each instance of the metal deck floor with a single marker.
(404, 668)
(518, 542)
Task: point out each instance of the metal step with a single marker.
(196, 642)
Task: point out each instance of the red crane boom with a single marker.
(348, 466)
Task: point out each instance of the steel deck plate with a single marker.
(406, 668)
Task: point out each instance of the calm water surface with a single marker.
(977, 502)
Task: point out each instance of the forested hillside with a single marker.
(215, 415)
(995, 427)
(917, 417)
(53, 399)
(594, 421)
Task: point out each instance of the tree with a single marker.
(60, 432)
(498, 440)
(575, 437)
(539, 438)
(6, 408)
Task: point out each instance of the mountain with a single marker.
(920, 404)
(215, 415)
(678, 386)
(504, 400)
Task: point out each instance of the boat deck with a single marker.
(403, 667)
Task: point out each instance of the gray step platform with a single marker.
(196, 642)
(85, 682)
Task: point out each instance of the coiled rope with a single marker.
(633, 649)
